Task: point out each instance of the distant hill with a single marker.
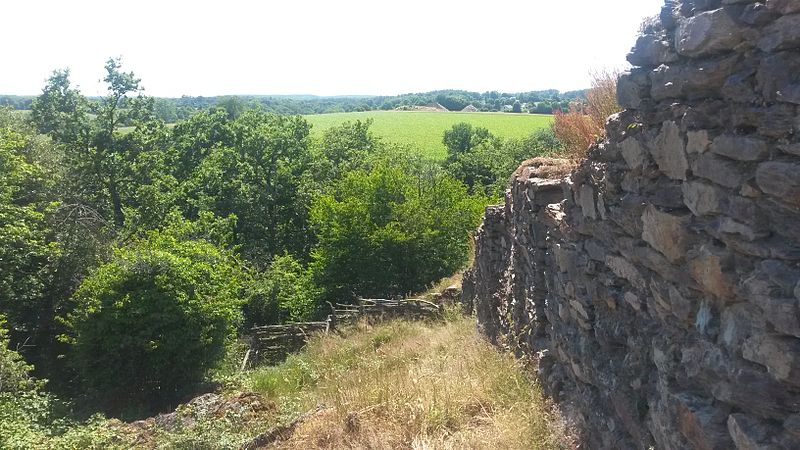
(174, 109)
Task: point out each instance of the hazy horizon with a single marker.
(314, 48)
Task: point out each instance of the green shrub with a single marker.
(392, 230)
(152, 321)
(284, 293)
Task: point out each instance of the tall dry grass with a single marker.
(584, 123)
(411, 385)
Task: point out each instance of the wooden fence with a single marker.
(272, 343)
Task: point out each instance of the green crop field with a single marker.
(425, 129)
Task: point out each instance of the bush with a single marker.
(284, 293)
(152, 321)
(391, 231)
(584, 124)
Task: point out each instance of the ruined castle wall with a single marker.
(658, 282)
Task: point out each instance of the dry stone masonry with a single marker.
(658, 282)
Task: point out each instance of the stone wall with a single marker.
(658, 282)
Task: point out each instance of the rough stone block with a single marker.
(585, 198)
(782, 34)
(703, 198)
(757, 14)
(624, 269)
(711, 269)
(739, 322)
(779, 354)
(707, 33)
(651, 50)
(748, 433)
(698, 142)
(697, 80)
(784, 6)
(781, 180)
(701, 422)
(722, 171)
(666, 232)
(740, 148)
(633, 153)
(776, 72)
(669, 152)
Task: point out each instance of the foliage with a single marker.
(258, 176)
(391, 231)
(346, 147)
(152, 321)
(584, 124)
(484, 163)
(27, 246)
(285, 292)
(15, 375)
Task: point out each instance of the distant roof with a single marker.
(469, 108)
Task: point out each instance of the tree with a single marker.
(516, 107)
(102, 165)
(391, 231)
(27, 244)
(347, 147)
(261, 179)
(462, 137)
(285, 292)
(150, 322)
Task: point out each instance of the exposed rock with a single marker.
(775, 75)
(779, 354)
(698, 142)
(669, 152)
(757, 14)
(702, 198)
(632, 87)
(782, 34)
(707, 33)
(667, 233)
(651, 50)
(709, 270)
(741, 148)
(783, 6)
(780, 179)
(633, 153)
(722, 171)
(748, 433)
(662, 281)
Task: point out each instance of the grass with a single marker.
(409, 385)
(425, 129)
(396, 384)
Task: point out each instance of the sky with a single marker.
(319, 47)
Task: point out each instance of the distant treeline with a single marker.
(172, 110)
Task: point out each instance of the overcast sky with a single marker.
(322, 47)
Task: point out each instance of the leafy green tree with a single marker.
(516, 107)
(27, 244)
(102, 166)
(346, 147)
(261, 179)
(462, 137)
(285, 292)
(391, 231)
(153, 320)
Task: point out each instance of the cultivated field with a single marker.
(425, 129)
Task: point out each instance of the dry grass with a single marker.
(584, 124)
(410, 385)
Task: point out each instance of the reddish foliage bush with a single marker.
(584, 123)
